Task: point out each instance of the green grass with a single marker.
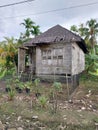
(87, 77)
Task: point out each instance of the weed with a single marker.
(43, 101)
(11, 94)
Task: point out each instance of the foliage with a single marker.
(10, 87)
(43, 101)
(21, 85)
(92, 62)
(89, 31)
(11, 94)
(10, 83)
(96, 119)
(31, 29)
(28, 84)
(36, 85)
(57, 87)
(9, 47)
(8, 55)
(3, 73)
(36, 82)
(16, 81)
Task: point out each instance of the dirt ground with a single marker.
(80, 112)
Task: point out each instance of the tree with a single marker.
(31, 28)
(8, 53)
(74, 28)
(92, 32)
(88, 31)
(28, 24)
(35, 30)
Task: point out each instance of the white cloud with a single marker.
(66, 18)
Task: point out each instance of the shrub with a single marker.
(11, 94)
(43, 101)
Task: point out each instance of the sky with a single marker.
(12, 16)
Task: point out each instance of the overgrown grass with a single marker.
(88, 77)
(89, 83)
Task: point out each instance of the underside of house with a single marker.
(56, 53)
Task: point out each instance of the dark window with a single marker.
(54, 57)
(60, 57)
(49, 57)
(44, 57)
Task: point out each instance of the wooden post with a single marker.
(75, 81)
(67, 87)
(21, 59)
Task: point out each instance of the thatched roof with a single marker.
(57, 34)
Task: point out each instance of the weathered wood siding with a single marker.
(21, 59)
(53, 59)
(78, 59)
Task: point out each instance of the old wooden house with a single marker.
(57, 52)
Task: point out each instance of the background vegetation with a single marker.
(9, 48)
